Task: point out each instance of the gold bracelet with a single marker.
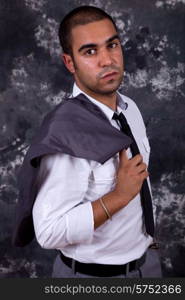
(105, 209)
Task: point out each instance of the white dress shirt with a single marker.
(62, 212)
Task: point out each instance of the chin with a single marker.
(108, 91)
(111, 89)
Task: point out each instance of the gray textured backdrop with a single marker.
(33, 80)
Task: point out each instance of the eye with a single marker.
(90, 52)
(113, 45)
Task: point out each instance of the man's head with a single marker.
(79, 16)
(91, 50)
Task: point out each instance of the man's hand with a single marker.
(130, 176)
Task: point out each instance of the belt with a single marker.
(102, 270)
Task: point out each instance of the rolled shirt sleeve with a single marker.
(61, 213)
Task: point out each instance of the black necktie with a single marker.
(146, 199)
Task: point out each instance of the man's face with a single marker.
(97, 62)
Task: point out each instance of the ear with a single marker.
(68, 62)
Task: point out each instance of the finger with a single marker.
(136, 160)
(144, 175)
(123, 156)
(141, 167)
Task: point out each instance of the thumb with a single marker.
(123, 156)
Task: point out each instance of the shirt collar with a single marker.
(121, 104)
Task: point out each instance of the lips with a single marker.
(110, 74)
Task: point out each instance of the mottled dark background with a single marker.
(33, 80)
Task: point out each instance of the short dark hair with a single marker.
(79, 16)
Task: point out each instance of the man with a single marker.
(92, 212)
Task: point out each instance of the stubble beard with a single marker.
(103, 91)
(97, 89)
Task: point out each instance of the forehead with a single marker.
(95, 32)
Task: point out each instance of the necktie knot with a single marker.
(123, 122)
(127, 130)
(117, 116)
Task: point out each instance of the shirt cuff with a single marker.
(80, 224)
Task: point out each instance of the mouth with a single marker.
(109, 75)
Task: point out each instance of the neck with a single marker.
(107, 99)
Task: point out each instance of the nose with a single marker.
(105, 58)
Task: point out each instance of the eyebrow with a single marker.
(91, 45)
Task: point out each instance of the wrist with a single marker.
(122, 197)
